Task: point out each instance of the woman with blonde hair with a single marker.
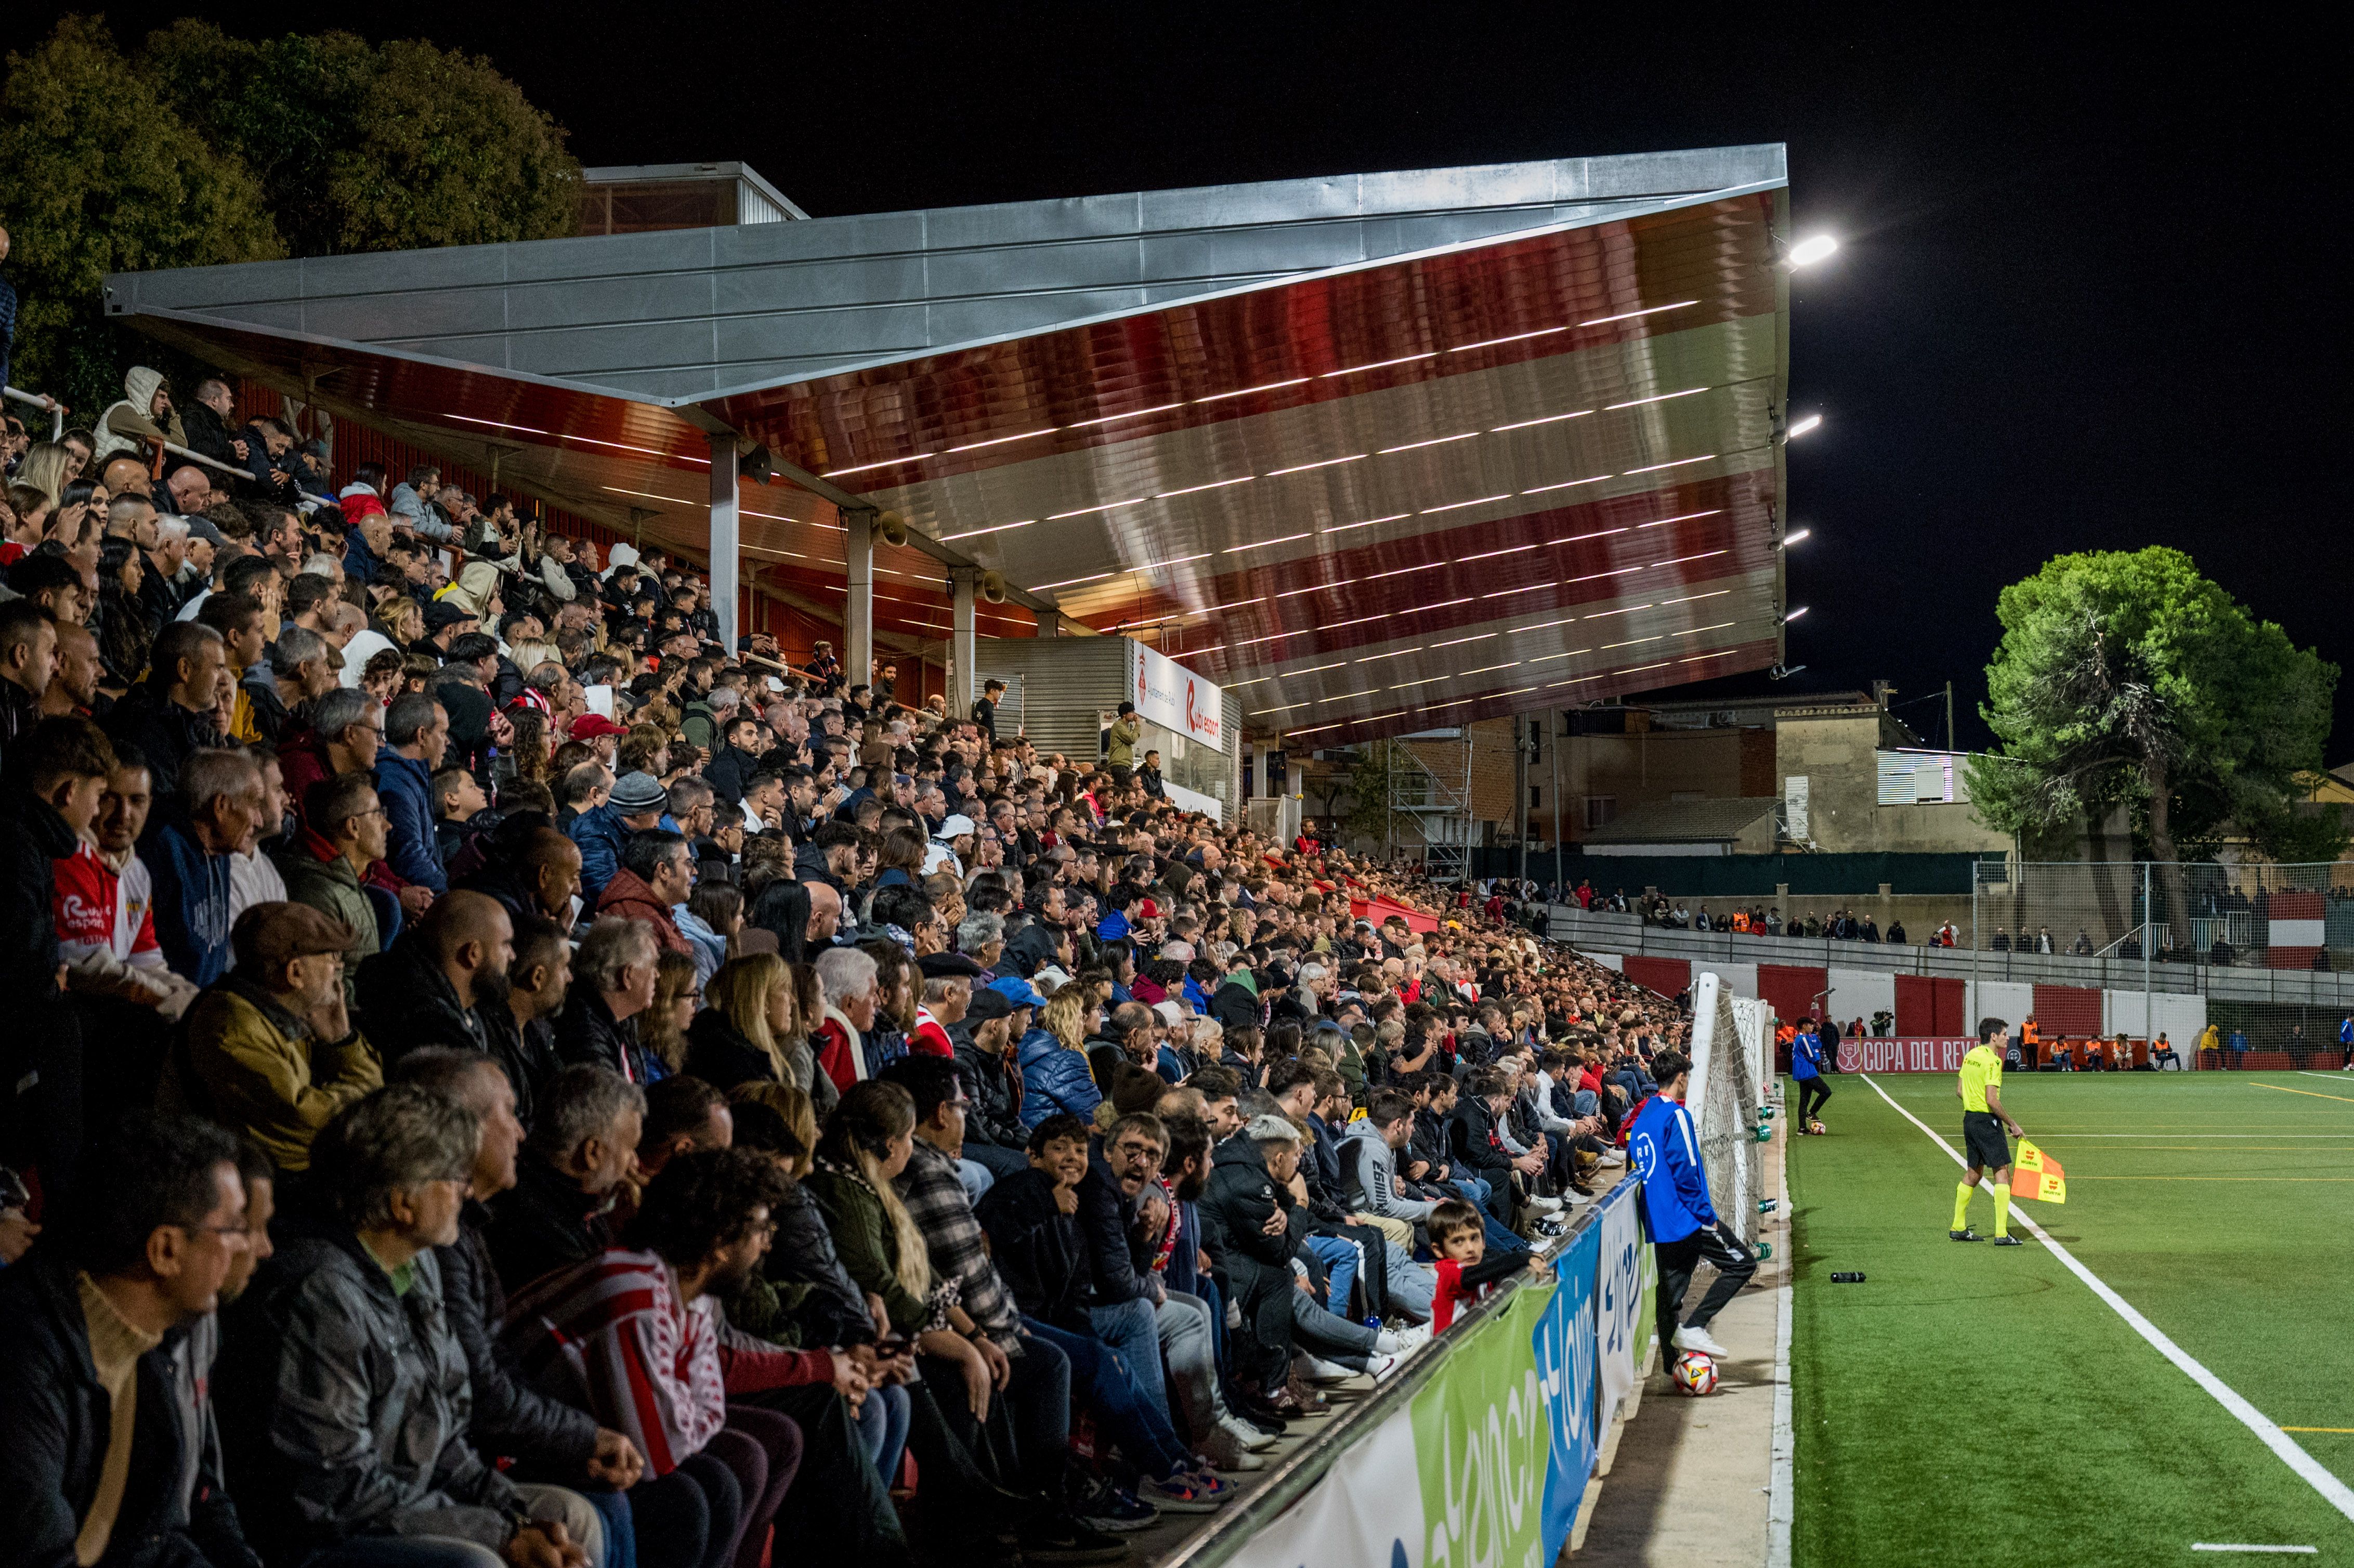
(664, 1028)
(47, 467)
(1055, 1074)
(753, 1006)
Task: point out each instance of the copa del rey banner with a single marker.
(1871, 1055)
(1170, 695)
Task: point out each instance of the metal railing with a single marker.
(57, 410)
(1628, 935)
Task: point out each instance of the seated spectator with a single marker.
(656, 873)
(994, 1138)
(1464, 1271)
(112, 1455)
(581, 1151)
(1031, 1222)
(348, 1413)
(522, 1024)
(531, 868)
(848, 979)
(511, 1419)
(167, 713)
(633, 805)
(613, 982)
(344, 734)
(749, 1007)
(684, 1116)
(268, 1049)
(105, 898)
(189, 844)
(416, 736)
(458, 801)
(634, 1336)
(431, 987)
(1055, 1074)
(253, 878)
(325, 862)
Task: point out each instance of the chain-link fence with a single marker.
(2261, 916)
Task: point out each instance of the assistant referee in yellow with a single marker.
(1984, 1147)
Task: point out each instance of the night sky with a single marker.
(2083, 301)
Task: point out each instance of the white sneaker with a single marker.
(1545, 1205)
(1691, 1339)
(1244, 1433)
(1411, 1338)
(1382, 1366)
(1317, 1370)
(1612, 1159)
(1226, 1453)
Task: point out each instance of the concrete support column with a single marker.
(858, 611)
(1050, 623)
(963, 684)
(726, 537)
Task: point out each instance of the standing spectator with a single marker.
(112, 1455)
(416, 733)
(269, 1051)
(352, 1398)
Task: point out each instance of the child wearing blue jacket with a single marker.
(1663, 1150)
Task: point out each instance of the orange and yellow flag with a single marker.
(2035, 1174)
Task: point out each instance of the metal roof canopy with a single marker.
(1144, 408)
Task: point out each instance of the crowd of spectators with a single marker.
(495, 1075)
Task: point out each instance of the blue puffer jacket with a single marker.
(1055, 1079)
(192, 897)
(601, 836)
(404, 785)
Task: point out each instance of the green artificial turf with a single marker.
(1978, 1407)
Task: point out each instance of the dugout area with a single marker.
(1967, 1404)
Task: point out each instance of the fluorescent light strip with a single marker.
(1344, 528)
(1270, 637)
(1579, 681)
(1641, 668)
(1564, 484)
(1507, 550)
(1218, 608)
(1576, 538)
(1703, 555)
(1491, 669)
(1425, 681)
(1597, 576)
(1400, 654)
(1246, 391)
(1203, 653)
(1347, 696)
(1458, 641)
(1689, 597)
(1516, 337)
(790, 554)
(1660, 398)
(1680, 462)
(1303, 468)
(1263, 544)
(1381, 364)
(1314, 729)
(1682, 517)
(1442, 604)
(1107, 506)
(1696, 631)
(992, 528)
(1433, 441)
(1319, 588)
(1073, 582)
(1458, 505)
(1547, 419)
(1704, 658)
(1631, 315)
(1253, 681)
(1629, 610)
(591, 441)
(1360, 620)
(1110, 418)
(1172, 561)
(1197, 489)
(1316, 669)
(1636, 643)
(1540, 626)
(1397, 571)
(1287, 707)
(1507, 593)
(999, 441)
(1549, 658)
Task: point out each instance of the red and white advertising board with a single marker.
(1874, 1055)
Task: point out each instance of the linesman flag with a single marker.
(2035, 1174)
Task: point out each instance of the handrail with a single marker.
(158, 446)
(1227, 1531)
(57, 410)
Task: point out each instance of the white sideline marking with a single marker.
(2215, 1546)
(2334, 1491)
(1782, 1503)
(2304, 1073)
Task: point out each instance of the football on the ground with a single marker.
(1694, 1373)
(1814, 1127)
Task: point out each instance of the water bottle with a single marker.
(1854, 1278)
(1767, 1205)
(1764, 1251)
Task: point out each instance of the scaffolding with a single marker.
(1441, 808)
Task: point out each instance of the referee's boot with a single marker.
(2009, 1241)
(1964, 1234)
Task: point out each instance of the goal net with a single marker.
(1724, 1096)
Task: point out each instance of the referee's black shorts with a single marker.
(1983, 1143)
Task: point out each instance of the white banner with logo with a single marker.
(1621, 1333)
(1170, 695)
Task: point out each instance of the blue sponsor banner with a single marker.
(1566, 1355)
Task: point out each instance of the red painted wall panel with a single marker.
(1790, 989)
(2070, 1010)
(1666, 976)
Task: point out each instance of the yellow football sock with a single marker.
(2002, 1211)
(1961, 1204)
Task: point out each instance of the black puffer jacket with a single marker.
(722, 1056)
(511, 1419)
(588, 1032)
(833, 1310)
(176, 1512)
(407, 1004)
(996, 1115)
(1038, 1250)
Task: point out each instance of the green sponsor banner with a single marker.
(1483, 1442)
